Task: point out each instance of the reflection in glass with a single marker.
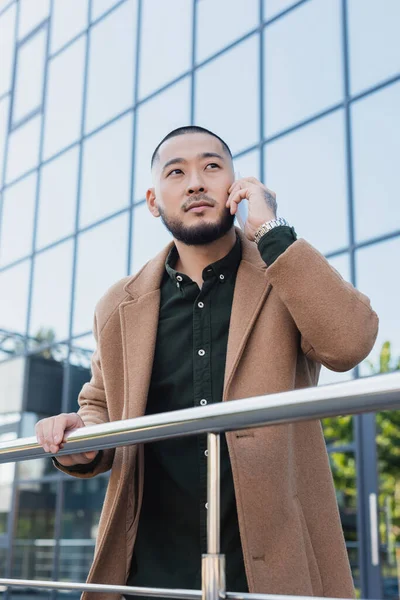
(31, 14)
(372, 63)
(303, 65)
(112, 63)
(306, 170)
(4, 108)
(377, 279)
(83, 501)
(102, 256)
(14, 301)
(8, 432)
(106, 174)
(28, 92)
(156, 118)
(149, 237)
(232, 115)
(64, 98)
(174, 42)
(16, 232)
(213, 34)
(67, 20)
(376, 150)
(57, 200)
(52, 291)
(34, 540)
(7, 49)
(23, 148)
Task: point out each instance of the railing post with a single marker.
(213, 563)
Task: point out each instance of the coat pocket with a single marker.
(313, 569)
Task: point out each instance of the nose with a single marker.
(195, 186)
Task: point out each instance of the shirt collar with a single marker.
(221, 269)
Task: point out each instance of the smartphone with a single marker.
(243, 208)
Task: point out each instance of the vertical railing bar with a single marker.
(213, 494)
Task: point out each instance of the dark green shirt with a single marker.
(188, 371)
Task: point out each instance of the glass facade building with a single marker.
(305, 93)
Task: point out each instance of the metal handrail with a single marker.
(351, 397)
(358, 396)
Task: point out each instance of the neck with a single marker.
(194, 259)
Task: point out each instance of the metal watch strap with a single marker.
(267, 226)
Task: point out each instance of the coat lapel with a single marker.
(251, 291)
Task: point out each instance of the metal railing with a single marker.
(380, 392)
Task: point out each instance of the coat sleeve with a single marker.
(93, 411)
(337, 324)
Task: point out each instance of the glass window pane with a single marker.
(377, 279)
(14, 302)
(16, 233)
(149, 236)
(7, 33)
(248, 165)
(212, 33)
(99, 7)
(31, 14)
(30, 74)
(64, 98)
(306, 169)
(379, 21)
(156, 118)
(4, 108)
(58, 192)
(376, 151)
(303, 64)
(111, 65)
(106, 174)
(102, 256)
(274, 7)
(172, 55)
(83, 501)
(231, 113)
(52, 291)
(67, 20)
(23, 148)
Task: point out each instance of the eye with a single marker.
(213, 165)
(174, 171)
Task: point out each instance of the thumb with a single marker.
(90, 455)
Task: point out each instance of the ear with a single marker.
(151, 202)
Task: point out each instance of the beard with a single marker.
(201, 234)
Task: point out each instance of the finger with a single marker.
(236, 198)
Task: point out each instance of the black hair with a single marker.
(183, 131)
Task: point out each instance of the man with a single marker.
(218, 315)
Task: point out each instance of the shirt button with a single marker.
(179, 278)
(205, 452)
(203, 401)
(206, 505)
(201, 352)
(200, 304)
(222, 277)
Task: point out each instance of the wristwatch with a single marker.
(267, 226)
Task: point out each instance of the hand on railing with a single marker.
(51, 435)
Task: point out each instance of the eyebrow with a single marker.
(179, 160)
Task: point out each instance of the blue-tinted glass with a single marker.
(28, 92)
(156, 118)
(57, 200)
(377, 276)
(14, 300)
(23, 148)
(149, 237)
(303, 64)
(4, 108)
(111, 74)
(376, 151)
(68, 19)
(7, 33)
(224, 105)
(174, 43)
(99, 7)
(64, 98)
(102, 259)
(306, 170)
(31, 14)
(218, 25)
(248, 165)
(274, 7)
(17, 220)
(373, 41)
(52, 291)
(107, 167)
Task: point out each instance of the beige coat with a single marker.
(286, 320)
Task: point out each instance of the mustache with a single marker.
(196, 199)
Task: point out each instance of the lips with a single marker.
(198, 206)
